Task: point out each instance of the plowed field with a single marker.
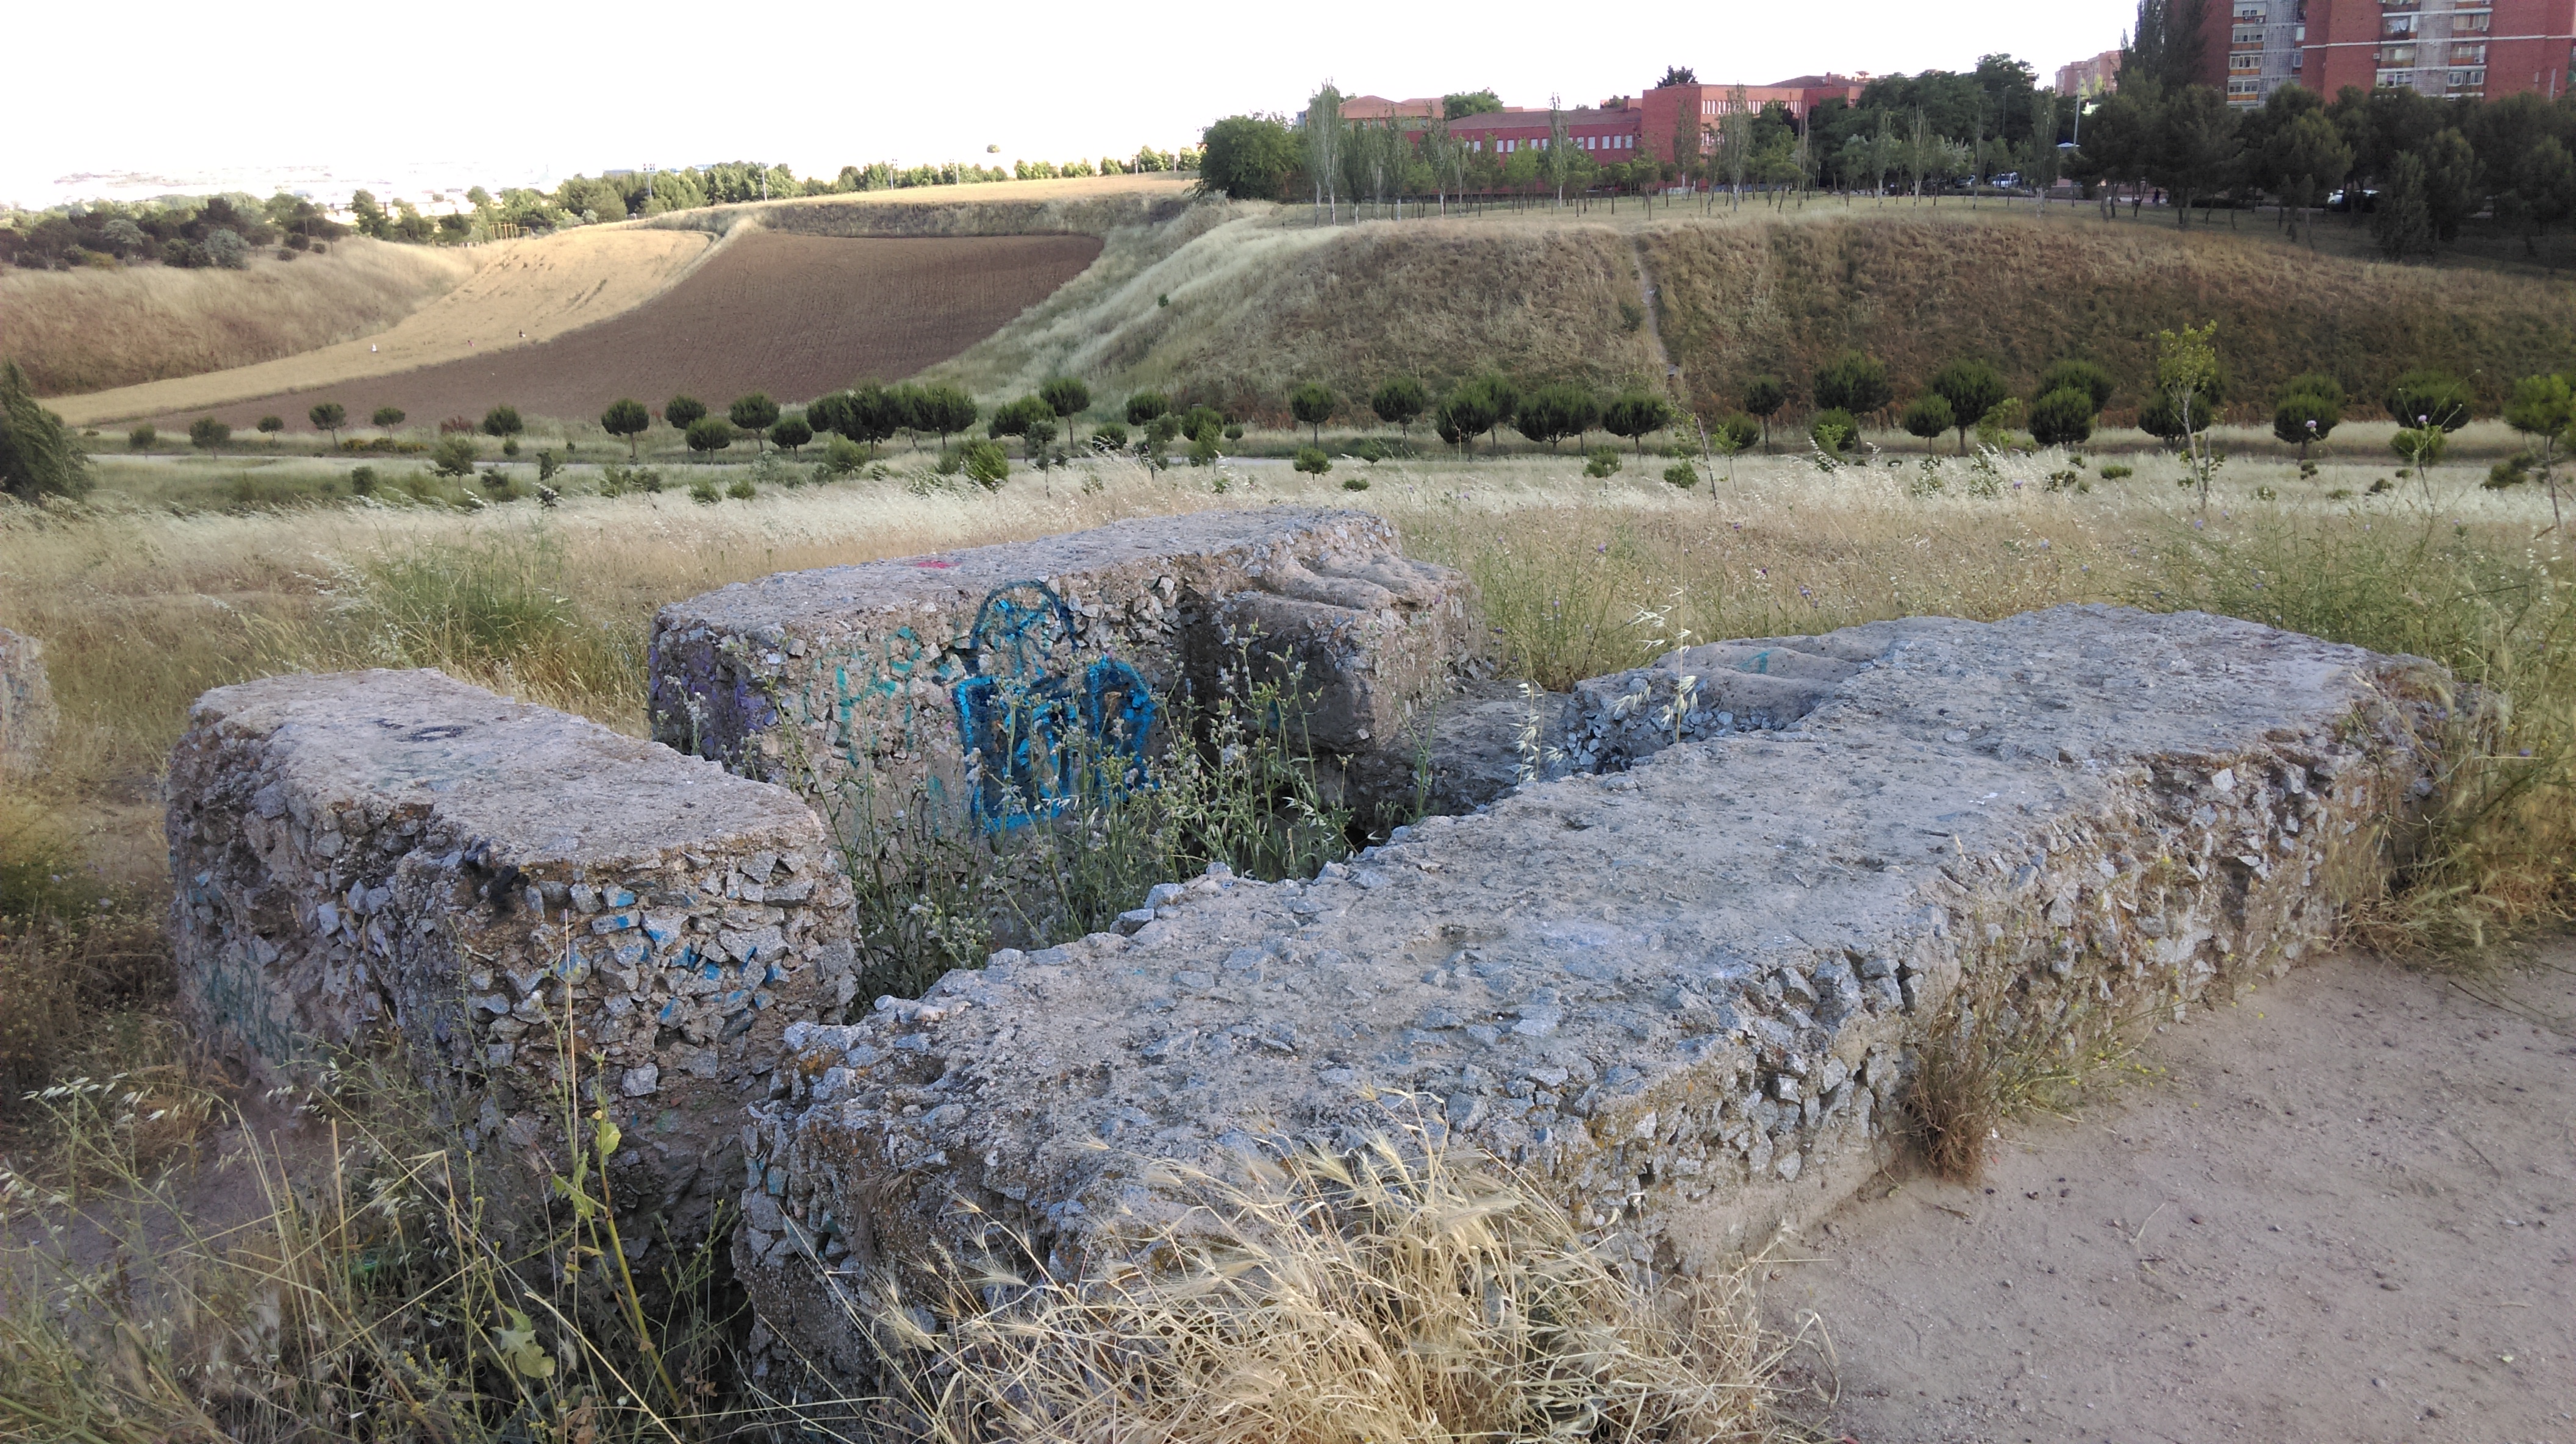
(791, 315)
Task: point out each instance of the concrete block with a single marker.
(1682, 997)
(514, 899)
(890, 685)
(27, 716)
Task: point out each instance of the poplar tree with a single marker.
(1324, 145)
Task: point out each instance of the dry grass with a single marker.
(1397, 1296)
(545, 287)
(1918, 288)
(87, 330)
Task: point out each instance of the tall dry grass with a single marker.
(87, 330)
(1395, 1296)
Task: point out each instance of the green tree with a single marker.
(626, 417)
(1972, 388)
(503, 421)
(708, 435)
(2167, 43)
(1314, 404)
(1855, 383)
(142, 437)
(2451, 190)
(1399, 401)
(2084, 376)
(2306, 158)
(1833, 430)
(1144, 406)
(791, 432)
(206, 433)
(2426, 397)
(271, 425)
(1068, 398)
(1463, 104)
(1636, 414)
(453, 456)
(2303, 418)
(2544, 189)
(2062, 418)
(38, 457)
(386, 419)
(1012, 418)
(1928, 416)
(2197, 148)
(2403, 223)
(1474, 407)
(1558, 411)
(1763, 397)
(683, 412)
(944, 409)
(753, 415)
(1325, 136)
(1247, 157)
(329, 416)
(2541, 406)
(1201, 422)
(368, 216)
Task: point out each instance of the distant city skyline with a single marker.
(492, 94)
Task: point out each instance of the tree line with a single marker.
(221, 230)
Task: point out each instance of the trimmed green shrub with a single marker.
(1312, 460)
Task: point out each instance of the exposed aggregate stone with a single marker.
(498, 891)
(1681, 997)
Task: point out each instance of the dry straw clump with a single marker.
(1402, 1295)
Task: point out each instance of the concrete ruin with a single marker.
(1682, 995)
(27, 716)
(962, 681)
(516, 900)
(1674, 954)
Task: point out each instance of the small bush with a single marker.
(1312, 461)
(454, 454)
(1682, 474)
(1602, 461)
(843, 457)
(986, 464)
(2512, 471)
(206, 433)
(142, 437)
(2062, 418)
(704, 493)
(547, 465)
(1203, 451)
(1833, 431)
(1928, 417)
(1355, 483)
(1234, 431)
(362, 480)
(742, 490)
(271, 425)
(457, 426)
(1109, 436)
(2114, 471)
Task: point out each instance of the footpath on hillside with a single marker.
(2343, 1208)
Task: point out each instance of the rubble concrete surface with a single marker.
(877, 687)
(518, 900)
(1682, 998)
(27, 715)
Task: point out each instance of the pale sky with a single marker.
(508, 92)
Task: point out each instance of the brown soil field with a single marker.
(544, 287)
(84, 330)
(794, 316)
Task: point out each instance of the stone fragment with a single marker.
(890, 685)
(1591, 980)
(392, 856)
(27, 715)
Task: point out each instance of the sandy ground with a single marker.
(544, 287)
(2342, 1209)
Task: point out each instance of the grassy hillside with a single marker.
(87, 330)
(1260, 299)
(1917, 289)
(1236, 304)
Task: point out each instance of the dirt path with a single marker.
(2344, 1209)
(1654, 323)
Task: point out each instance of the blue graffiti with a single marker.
(1037, 739)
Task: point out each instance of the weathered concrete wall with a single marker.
(516, 897)
(870, 687)
(1682, 997)
(27, 716)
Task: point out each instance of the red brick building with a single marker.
(2433, 47)
(1622, 128)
